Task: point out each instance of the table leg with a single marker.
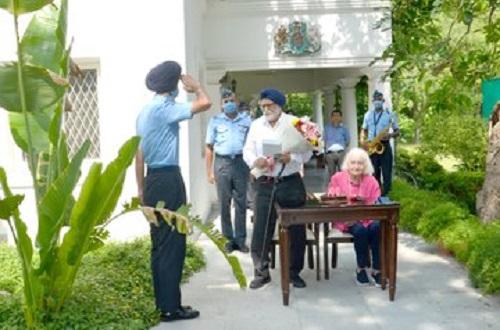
(326, 262)
(284, 238)
(393, 260)
(316, 238)
(383, 252)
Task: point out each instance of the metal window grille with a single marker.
(82, 122)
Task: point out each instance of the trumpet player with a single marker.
(375, 136)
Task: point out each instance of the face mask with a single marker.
(174, 93)
(230, 108)
(378, 104)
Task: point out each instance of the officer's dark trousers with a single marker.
(382, 164)
(231, 175)
(289, 193)
(168, 247)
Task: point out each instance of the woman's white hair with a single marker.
(358, 154)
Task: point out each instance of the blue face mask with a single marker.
(378, 104)
(230, 108)
(174, 93)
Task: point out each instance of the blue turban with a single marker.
(164, 77)
(274, 95)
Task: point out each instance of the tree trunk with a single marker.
(488, 199)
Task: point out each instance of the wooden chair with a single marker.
(333, 236)
(312, 242)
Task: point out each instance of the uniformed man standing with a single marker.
(226, 136)
(337, 140)
(158, 126)
(283, 175)
(376, 121)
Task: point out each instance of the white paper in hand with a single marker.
(271, 147)
(336, 147)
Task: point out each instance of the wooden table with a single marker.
(387, 214)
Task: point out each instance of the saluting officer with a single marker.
(226, 136)
(158, 127)
(375, 121)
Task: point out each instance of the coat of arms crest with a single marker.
(297, 38)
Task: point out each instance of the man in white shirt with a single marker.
(278, 171)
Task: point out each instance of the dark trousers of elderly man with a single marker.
(382, 165)
(334, 161)
(290, 192)
(231, 174)
(168, 246)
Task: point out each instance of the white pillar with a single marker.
(329, 102)
(318, 109)
(376, 81)
(349, 110)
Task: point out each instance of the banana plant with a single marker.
(184, 223)
(32, 91)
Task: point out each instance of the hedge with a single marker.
(438, 219)
(425, 172)
(113, 289)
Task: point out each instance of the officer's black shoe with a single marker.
(243, 248)
(297, 282)
(259, 282)
(182, 313)
(229, 247)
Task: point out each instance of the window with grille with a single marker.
(82, 121)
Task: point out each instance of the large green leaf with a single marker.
(23, 6)
(97, 199)
(53, 208)
(43, 42)
(41, 88)
(9, 205)
(38, 122)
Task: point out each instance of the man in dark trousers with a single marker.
(158, 127)
(226, 134)
(375, 122)
(283, 174)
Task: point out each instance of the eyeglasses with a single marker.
(269, 106)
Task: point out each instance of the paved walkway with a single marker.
(433, 293)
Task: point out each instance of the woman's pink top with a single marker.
(367, 189)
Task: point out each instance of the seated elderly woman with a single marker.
(357, 184)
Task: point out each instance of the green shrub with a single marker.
(463, 185)
(434, 220)
(457, 237)
(113, 290)
(484, 260)
(10, 272)
(424, 172)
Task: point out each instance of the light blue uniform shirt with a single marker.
(227, 135)
(336, 134)
(375, 122)
(158, 127)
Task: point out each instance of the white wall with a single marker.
(240, 36)
(125, 39)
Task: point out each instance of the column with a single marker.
(318, 109)
(376, 81)
(349, 110)
(329, 102)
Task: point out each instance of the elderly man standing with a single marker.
(283, 176)
(226, 136)
(158, 126)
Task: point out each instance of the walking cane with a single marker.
(269, 212)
